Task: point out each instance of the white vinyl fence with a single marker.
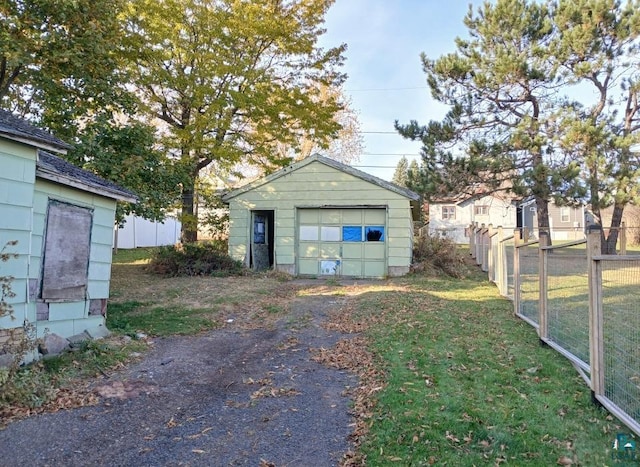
(138, 232)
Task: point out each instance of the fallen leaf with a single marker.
(564, 460)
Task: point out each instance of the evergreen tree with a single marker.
(501, 88)
(401, 175)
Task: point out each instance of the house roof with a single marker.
(464, 198)
(328, 162)
(55, 169)
(17, 129)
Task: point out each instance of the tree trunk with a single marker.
(610, 240)
(189, 219)
(542, 206)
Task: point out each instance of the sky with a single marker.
(385, 79)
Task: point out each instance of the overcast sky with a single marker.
(386, 81)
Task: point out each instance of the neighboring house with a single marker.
(319, 217)
(140, 232)
(452, 217)
(62, 218)
(565, 222)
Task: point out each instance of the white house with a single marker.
(452, 217)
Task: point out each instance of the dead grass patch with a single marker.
(232, 300)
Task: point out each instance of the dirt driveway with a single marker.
(233, 396)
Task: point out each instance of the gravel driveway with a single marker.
(230, 397)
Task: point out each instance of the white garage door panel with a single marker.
(374, 251)
(328, 250)
(374, 269)
(308, 266)
(308, 251)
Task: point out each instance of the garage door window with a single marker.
(352, 233)
(309, 233)
(348, 233)
(330, 234)
(374, 233)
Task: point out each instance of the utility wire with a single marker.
(375, 166)
(386, 89)
(406, 154)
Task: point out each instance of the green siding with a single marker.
(317, 185)
(71, 318)
(18, 164)
(66, 311)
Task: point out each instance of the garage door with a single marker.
(342, 242)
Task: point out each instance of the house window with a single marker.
(448, 212)
(481, 210)
(65, 260)
(564, 214)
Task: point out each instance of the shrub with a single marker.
(194, 259)
(437, 253)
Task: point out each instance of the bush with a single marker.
(437, 253)
(194, 259)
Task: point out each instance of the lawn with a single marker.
(452, 378)
(467, 383)
(449, 376)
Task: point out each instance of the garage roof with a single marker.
(329, 162)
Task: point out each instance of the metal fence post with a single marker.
(543, 324)
(516, 271)
(623, 238)
(596, 320)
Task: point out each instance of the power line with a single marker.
(381, 132)
(406, 154)
(374, 166)
(386, 89)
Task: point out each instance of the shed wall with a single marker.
(70, 318)
(17, 177)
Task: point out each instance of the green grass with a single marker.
(133, 255)
(37, 385)
(132, 317)
(470, 384)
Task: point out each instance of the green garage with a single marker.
(319, 217)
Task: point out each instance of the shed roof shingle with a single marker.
(18, 129)
(54, 168)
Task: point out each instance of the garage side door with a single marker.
(344, 242)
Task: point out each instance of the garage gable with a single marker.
(304, 171)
